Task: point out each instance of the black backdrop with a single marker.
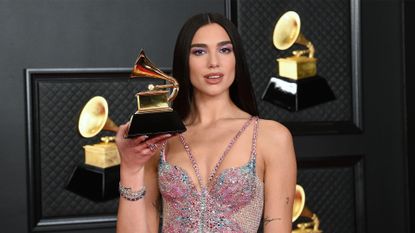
(50, 34)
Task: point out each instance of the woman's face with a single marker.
(211, 61)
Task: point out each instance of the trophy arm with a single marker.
(173, 93)
(174, 85)
(304, 41)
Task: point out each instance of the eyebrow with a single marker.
(204, 45)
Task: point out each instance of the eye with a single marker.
(226, 49)
(198, 51)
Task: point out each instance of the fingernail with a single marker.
(145, 136)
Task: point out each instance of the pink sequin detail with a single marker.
(231, 202)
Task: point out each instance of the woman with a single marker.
(229, 168)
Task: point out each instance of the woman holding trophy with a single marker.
(230, 170)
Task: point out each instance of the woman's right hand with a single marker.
(135, 152)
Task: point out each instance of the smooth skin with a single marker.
(213, 122)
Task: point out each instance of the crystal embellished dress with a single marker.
(231, 201)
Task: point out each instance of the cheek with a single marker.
(229, 62)
(192, 72)
(195, 67)
(231, 67)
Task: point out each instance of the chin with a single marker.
(214, 91)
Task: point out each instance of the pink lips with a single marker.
(213, 78)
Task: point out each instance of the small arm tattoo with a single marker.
(287, 200)
(268, 220)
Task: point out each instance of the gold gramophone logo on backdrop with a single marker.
(154, 114)
(299, 209)
(298, 84)
(92, 120)
(97, 178)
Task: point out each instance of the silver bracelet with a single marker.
(130, 195)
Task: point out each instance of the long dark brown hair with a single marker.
(241, 91)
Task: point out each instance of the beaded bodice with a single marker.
(231, 201)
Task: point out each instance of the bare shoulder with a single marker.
(273, 132)
(274, 139)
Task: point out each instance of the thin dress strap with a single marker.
(254, 137)
(163, 152)
(228, 148)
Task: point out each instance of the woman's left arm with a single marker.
(280, 173)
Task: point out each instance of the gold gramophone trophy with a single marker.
(299, 209)
(298, 85)
(154, 114)
(97, 179)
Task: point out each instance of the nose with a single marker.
(213, 61)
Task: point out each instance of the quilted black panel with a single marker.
(56, 102)
(331, 193)
(327, 24)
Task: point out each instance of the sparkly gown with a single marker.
(232, 201)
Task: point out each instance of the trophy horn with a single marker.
(299, 209)
(146, 69)
(94, 118)
(287, 32)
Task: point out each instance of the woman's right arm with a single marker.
(138, 169)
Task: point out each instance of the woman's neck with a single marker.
(208, 109)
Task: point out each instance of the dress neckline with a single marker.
(204, 187)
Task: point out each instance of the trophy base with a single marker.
(295, 95)
(155, 123)
(94, 183)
